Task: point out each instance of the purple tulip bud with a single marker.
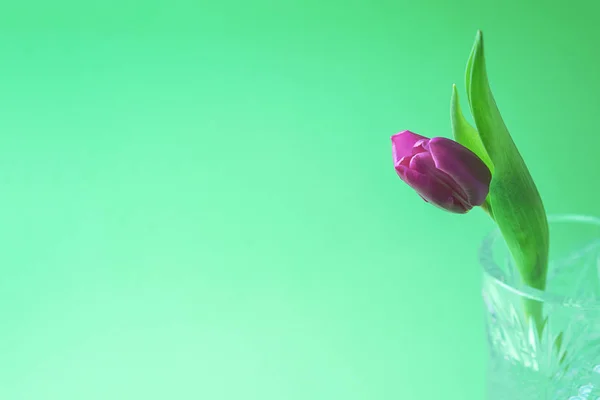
(442, 171)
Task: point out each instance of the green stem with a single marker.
(488, 209)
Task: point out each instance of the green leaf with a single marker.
(468, 73)
(464, 133)
(518, 208)
(468, 136)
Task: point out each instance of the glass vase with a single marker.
(560, 360)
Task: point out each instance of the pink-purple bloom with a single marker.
(442, 171)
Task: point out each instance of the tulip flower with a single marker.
(457, 176)
(442, 171)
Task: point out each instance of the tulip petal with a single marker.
(403, 143)
(460, 163)
(429, 185)
(424, 164)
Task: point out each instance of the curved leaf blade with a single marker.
(518, 208)
(465, 134)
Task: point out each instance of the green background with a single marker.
(198, 199)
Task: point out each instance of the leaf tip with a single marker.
(479, 41)
(453, 101)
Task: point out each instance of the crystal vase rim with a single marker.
(486, 259)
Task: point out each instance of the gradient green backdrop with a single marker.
(198, 200)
